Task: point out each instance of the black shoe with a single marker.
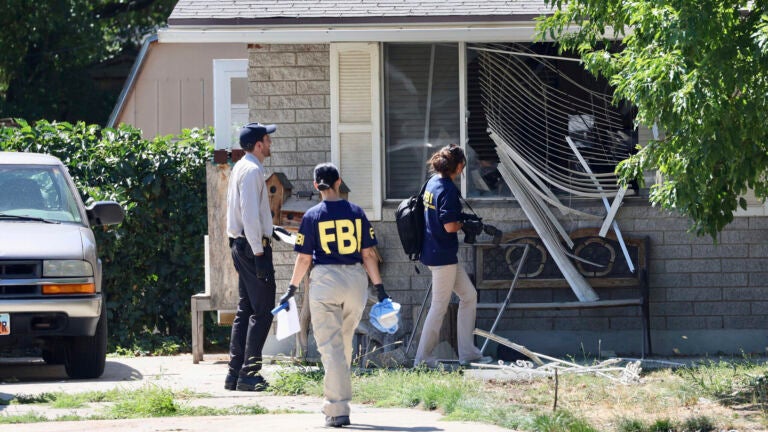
(230, 382)
(337, 422)
(252, 383)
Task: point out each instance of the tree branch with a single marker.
(110, 10)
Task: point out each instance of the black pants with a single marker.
(256, 289)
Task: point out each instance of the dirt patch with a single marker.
(604, 404)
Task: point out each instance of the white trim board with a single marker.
(523, 32)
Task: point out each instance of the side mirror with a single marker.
(105, 213)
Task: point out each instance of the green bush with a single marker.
(153, 261)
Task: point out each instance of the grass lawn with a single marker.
(713, 395)
(710, 396)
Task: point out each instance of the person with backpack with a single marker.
(336, 237)
(439, 252)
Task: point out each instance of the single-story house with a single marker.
(377, 86)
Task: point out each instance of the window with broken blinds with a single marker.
(528, 95)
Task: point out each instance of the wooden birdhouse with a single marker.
(294, 208)
(279, 188)
(343, 190)
(287, 210)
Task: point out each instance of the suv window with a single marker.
(37, 191)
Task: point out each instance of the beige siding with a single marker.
(145, 106)
(193, 109)
(129, 112)
(174, 88)
(169, 103)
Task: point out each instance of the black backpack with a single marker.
(410, 224)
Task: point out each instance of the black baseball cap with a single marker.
(326, 175)
(253, 132)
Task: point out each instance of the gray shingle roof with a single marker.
(243, 12)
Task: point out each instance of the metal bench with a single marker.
(521, 262)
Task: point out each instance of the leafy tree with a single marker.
(698, 71)
(53, 48)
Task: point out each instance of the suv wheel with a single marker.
(86, 355)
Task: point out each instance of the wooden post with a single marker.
(200, 303)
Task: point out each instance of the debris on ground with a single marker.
(541, 365)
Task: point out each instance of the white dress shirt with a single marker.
(248, 211)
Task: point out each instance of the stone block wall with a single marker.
(289, 85)
(704, 297)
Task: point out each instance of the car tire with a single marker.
(87, 355)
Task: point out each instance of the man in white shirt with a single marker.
(249, 227)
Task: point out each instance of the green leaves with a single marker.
(697, 70)
(153, 260)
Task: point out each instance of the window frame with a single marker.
(223, 72)
(461, 112)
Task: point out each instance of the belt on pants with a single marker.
(265, 241)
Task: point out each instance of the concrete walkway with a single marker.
(32, 377)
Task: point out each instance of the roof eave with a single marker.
(340, 21)
(433, 32)
(131, 80)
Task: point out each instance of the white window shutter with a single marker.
(356, 122)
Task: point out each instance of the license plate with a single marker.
(5, 324)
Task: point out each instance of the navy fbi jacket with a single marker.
(441, 206)
(334, 232)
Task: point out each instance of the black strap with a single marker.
(420, 202)
(470, 207)
(421, 192)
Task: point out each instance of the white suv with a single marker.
(50, 276)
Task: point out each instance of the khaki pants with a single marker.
(446, 280)
(337, 298)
